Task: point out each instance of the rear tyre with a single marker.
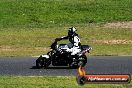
(74, 66)
(82, 61)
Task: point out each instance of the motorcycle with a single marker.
(58, 56)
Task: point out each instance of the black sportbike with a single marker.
(58, 56)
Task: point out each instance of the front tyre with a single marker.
(39, 63)
(43, 62)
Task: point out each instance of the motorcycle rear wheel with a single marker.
(81, 62)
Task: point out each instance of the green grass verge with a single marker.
(27, 27)
(33, 42)
(50, 13)
(46, 20)
(50, 82)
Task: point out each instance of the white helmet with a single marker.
(71, 31)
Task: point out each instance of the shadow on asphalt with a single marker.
(58, 67)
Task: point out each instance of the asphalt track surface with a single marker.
(25, 66)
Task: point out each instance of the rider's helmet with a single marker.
(71, 31)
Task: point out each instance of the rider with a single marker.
(74, 45)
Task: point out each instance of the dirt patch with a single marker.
(112, 41)
(9, 48)
(118, 25)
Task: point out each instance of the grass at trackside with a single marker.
(33, 42)
(50, 13)
(27, 27)
(50, 82)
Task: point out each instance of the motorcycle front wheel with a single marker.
(42, 62)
